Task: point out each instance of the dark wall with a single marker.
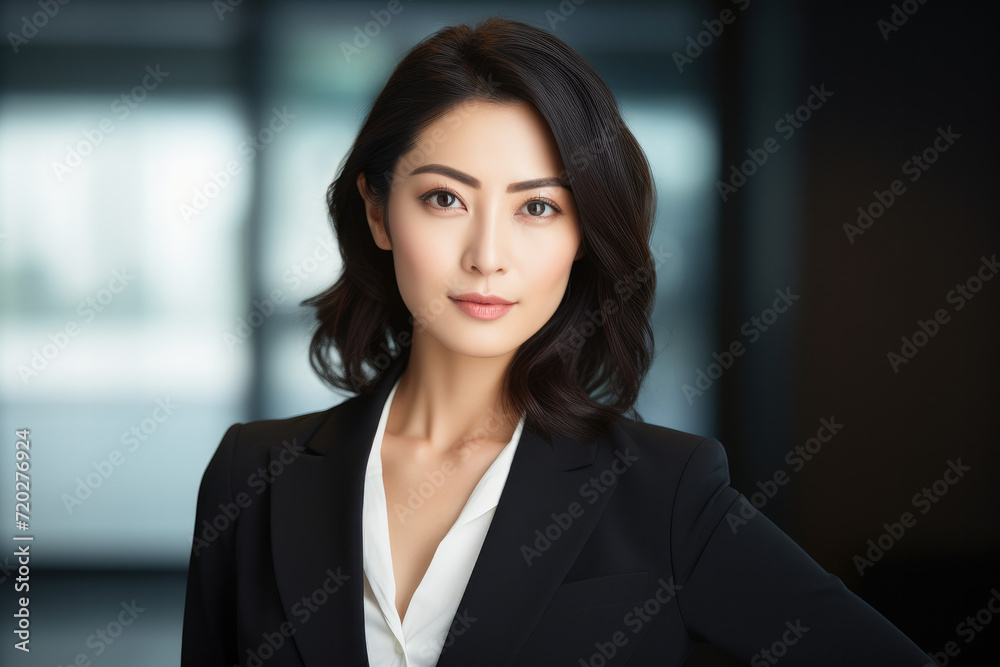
(898, 87)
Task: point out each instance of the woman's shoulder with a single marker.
(253, 440)
(671, 449)
(683, 481)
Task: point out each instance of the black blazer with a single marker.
(622, 551)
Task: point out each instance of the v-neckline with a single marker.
(386, 586)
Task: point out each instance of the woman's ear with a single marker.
(376, 221)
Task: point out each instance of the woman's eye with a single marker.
(536, 208)
(444, 199)
(441, 199)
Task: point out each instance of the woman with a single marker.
(490, 496)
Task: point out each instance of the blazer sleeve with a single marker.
(209, 629)
(750, 590)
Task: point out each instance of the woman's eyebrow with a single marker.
(473, 182)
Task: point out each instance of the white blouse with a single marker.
(419, 639)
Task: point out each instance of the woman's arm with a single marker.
(209, 635)
(750, 590)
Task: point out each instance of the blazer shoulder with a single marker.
(251, 442)
(694, 471)
(671, 448)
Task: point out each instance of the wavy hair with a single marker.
(584, 368)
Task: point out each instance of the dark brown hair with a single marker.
(583, 369)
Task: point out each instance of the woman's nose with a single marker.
(489, 243)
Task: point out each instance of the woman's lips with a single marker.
(483, 311)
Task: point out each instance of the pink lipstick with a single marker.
(481, 306)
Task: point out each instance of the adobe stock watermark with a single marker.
(752, 329)
(7, 569)
(786, 126)
(796, 457)
(295, 276)
(914, 168)
(31, 25)
(246, 325)
(565, 10)
(121, 107)
(133, 438)
(103, 638)
(636, 619)
(697, 44)
(958, 296)
(248, 149)
(584, 156)
(923, 500)
(968, 629)
(212, 529)
(576, 336)
(88, 310)
(460, 624)
(363, 37)
(898, 17)
(224, 7)
(302, 611)
(429, 142)
(424, 316)
(779, 648)
(433, 480)
(591, 490)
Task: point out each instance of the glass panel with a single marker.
(113, 307)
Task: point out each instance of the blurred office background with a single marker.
(162, 177)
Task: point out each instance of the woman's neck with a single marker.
(444, 399)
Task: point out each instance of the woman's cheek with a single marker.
(419, 277)
(551, 261)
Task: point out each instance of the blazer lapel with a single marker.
(524, 558)
(316, 530)
(531, 545)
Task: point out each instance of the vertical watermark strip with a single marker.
(22, 546)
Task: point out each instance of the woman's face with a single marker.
(478, 207)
